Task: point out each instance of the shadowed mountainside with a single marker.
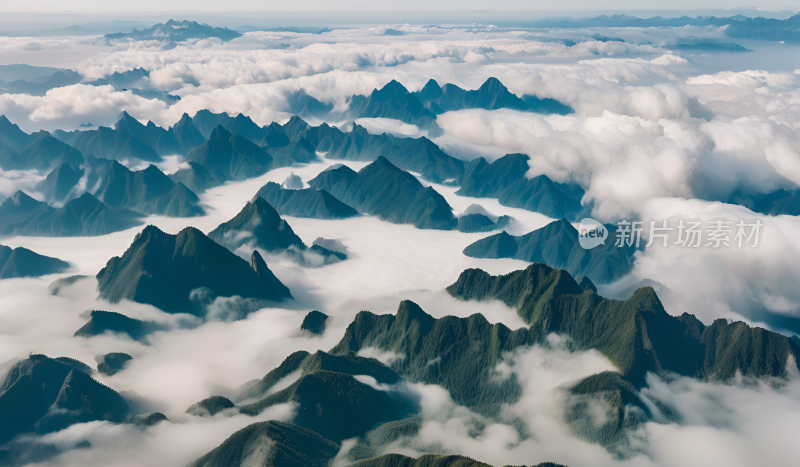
(557, 246)
(183, 273)
(390, 193)
(22, 262)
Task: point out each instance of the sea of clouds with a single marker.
(655, 135)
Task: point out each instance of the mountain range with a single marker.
(491, 95)
(392, 101)
(227, 156)
(505, 180)
(175, 31)
(294, 446)
(136, 81)
(738, 26)
(83, 216)
(258, 225)
(184, 273)
(44, 395)
(383, 190)
(39, 151)
(340, 395)
(419, 155)
(557, 246)
(637, 335)
(308, 202)
(776, 203)
(39, 87)
(71, 174)
(147, 191)
(416, 154)
(421, 107)
(131, 140)
(22, 262)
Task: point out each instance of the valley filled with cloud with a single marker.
(206, 188)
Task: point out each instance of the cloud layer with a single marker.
(653, 132)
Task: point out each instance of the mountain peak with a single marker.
(587, 284)
(392, 90)
(564, 224)
(257, 225)
(184, 121)
(645, 298)
(385, 163)
(167, 271)
(430, 92)
(492, 83)
(152, 169)
(20, 198)
(219, 132)
(149, 231)
(408, 312)
(85, 200)
(126, 122)
(257, 263)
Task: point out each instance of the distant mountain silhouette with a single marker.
(390, 193)
(491, 95)
(82, 216)
(392, 101)
(557, 245)
(309, 202)
(11, 137)
(21, 262)
(36, 87)
(175, 31)
(227, 156)
(147, 191)
(505, 180)
(43, 152)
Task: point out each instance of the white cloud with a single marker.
(651, 131)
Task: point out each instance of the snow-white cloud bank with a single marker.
(654, 135)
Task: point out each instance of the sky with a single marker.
(368, 5)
